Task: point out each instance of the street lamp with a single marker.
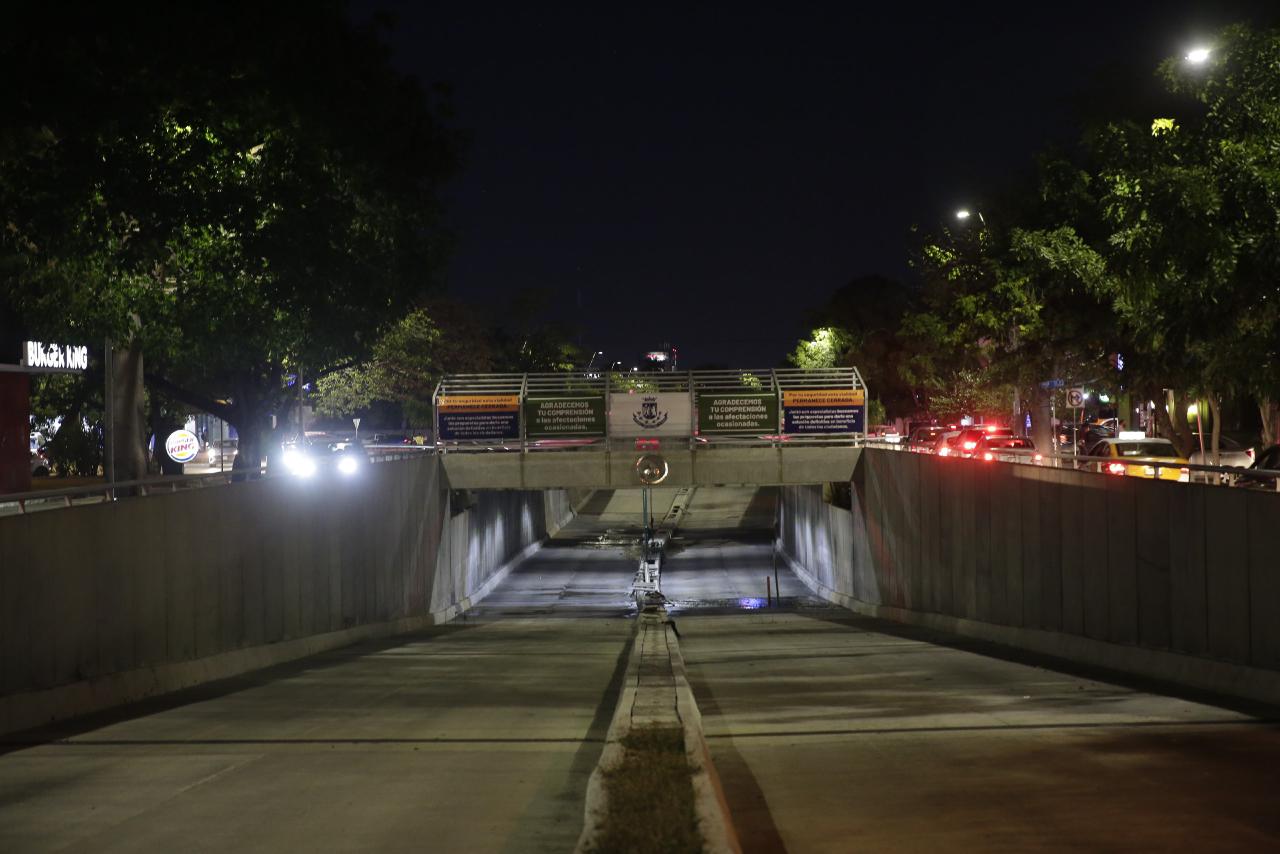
(1198, 55)
(963, 214)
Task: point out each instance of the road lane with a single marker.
(474, 737)
(831, 732)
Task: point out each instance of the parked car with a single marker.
(1007, 449)
(1267, 460)
(922, 438)
(970, 436)
(1138, 457)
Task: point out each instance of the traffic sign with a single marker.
(1052, 384)
(1075, 398)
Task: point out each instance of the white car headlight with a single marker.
(348, 465)
(298, 463)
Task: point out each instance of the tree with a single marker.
(1004, 309)
(529, 339)
(826, 347)
(858, 326)
(256, 198)
(1191, 203)
(408, 361)
(1158, 239)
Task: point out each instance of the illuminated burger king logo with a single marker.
(182, 446)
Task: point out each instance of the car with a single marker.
(312, 459)
(1007, 449)
(1137, 455)
(1230, 453)
(970, 436)
(885, 433)
(922, 438)
(1071, 436)
(947, 444)
(40, 465)
(222, 452)
(1267, 460)
(1088, 435)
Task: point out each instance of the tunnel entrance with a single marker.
(717, 555)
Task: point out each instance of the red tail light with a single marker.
(1250, 453)
(969, 446)
(944, 451)
(992, 428)
(1038, 458)
(1115, 468)
(988, 456)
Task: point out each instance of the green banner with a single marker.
(753, 413)
(549, 417)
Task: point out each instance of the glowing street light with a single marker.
(964, 213)
(1198, 55)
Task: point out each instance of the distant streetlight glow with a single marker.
(1198, 55)
(962, 214)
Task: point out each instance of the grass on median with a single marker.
(649, 796)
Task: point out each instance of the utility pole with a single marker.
(109, 416)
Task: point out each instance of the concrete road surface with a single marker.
(474, 737)
(833, 733)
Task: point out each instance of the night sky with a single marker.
(707, 175)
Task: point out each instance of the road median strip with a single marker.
(655, 788)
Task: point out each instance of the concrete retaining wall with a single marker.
(103, 604)
(1168, 580)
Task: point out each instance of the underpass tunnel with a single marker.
(719, 555)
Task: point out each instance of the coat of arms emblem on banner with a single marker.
(649, 417)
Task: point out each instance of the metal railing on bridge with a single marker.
(1172, 471)
(593, 411)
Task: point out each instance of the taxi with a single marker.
(1135, 454)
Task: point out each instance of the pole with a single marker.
(777, 588)
(109, 415)
(1053, 426)
(1075, 445)
(644, 510)
(1200, 431)
(768, 593)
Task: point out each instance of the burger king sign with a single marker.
(182, 446)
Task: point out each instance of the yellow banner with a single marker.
(824, 397)
(479, 403)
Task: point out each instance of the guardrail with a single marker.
(559, 410)
(18, 503)
(1250, 478)
(623, 445)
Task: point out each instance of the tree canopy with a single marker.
(238, 190)
(1155, 239)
